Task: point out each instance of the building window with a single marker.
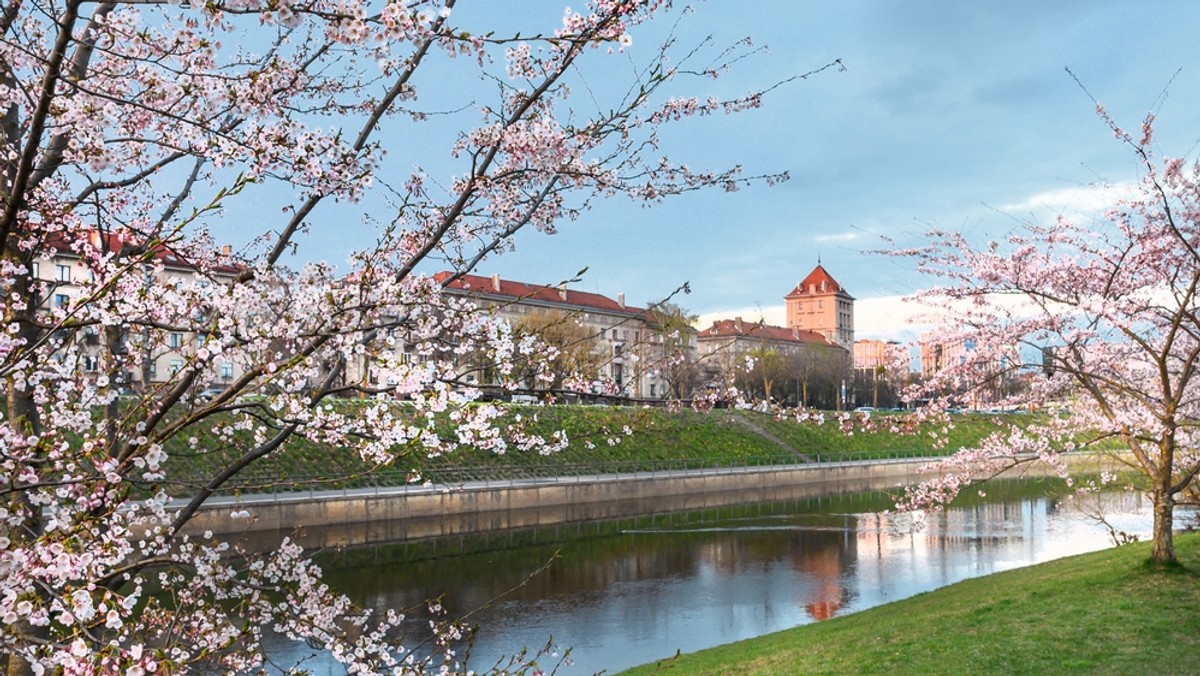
(227, 370)
(651, 390)
(62, 273)
(37, 271)
(60, 299)
(91, 363)
(618, 349)
(153, 369)
(176, 366)
(176, 340)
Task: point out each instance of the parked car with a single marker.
(209, 394)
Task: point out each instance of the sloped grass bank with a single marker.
(1107, 612)
(597, 437)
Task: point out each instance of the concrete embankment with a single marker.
(391, 514)
(408, 512)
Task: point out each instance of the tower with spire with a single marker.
(820, 304)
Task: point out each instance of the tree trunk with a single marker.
(23, 416)
(1164, 522)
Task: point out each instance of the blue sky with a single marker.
(950, 114)
(954, 114)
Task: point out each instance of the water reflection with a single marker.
(646, 587)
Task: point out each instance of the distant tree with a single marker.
(677, 364)
(766, 366)
(880, 385)
(567, 349)
(1117, 302)
(815, 374)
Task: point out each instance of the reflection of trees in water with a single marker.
(819, 549)
(799, 559)
(818, 539)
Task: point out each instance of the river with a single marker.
(626, 592)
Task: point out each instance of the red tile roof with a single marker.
(115, 241)
(735, 328)
(814, 280)
(487, 286)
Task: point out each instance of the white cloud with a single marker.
(890, 318)
(1089, 200)
(839, 237)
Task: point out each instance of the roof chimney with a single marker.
(562, 291)
(496, 283)
(227, 250)
(796, 332)
(737, 324)
(621, 300)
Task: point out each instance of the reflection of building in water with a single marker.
(824, 557)
(827, 595)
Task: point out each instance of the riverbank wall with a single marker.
(429, 511)
(390, 514)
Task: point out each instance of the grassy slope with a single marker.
(1107, 612)
(720, 437)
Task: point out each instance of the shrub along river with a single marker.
(625, 592)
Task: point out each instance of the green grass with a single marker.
(1109, 612)
(718, 438)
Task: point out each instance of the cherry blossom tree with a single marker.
(1098, 319)
(131, 130)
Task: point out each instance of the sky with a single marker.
(954, 115)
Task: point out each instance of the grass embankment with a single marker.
(718, 438)
(1107, 612)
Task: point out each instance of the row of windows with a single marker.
(91, 364)
(62, 273)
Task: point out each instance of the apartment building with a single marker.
(735, 337)
(811, 371)
(984, 374)
(624, 344)
(871, 354)
(145, 355)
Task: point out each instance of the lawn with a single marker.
(1107, 612)
(659, 439)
